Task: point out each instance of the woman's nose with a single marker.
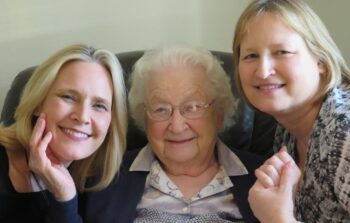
(177, 123)
(265, 67)
(82, 114)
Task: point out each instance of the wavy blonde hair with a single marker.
(106, 161)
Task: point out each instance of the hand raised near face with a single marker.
(275, 203)
(46, 166)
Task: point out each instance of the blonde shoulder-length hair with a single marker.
(105, 162)
(298, 16)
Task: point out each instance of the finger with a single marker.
(44, 143)
(38, 158)
(264, 179)
(284, 155)
(290, 176)
(258, 185)
(276, 162)
(283, 149)
(271, 172)
(38, 131)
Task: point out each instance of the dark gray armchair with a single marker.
(253, 131)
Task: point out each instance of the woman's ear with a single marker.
(219, 119)
(37, 111)
(322, 69)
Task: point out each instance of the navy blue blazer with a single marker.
(117, 203)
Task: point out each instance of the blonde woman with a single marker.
(70, 125)
(289, 67)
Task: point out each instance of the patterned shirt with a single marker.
(163, 200)
(325, 193)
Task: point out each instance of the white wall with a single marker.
(31, 30)
(336, 16)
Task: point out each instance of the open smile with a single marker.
(267, 87)
(72, 133)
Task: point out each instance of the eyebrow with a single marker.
(74, 92)
(194, 95)
(274, 45)
(247, 49)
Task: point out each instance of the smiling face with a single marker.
(277, 71)
(78, 110)
(181, 141)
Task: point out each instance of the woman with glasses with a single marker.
(181, 97)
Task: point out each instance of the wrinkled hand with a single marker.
(271, 197)
(46, 166)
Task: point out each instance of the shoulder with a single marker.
(119, 199)
(234, 158)
(334, 117)
(337, 103)
(250, 160)
(3, 155)
(3, 158)
(5, 182)
(243, 183)
(129, 157)
(125, 175)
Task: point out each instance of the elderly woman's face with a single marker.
(179, 139)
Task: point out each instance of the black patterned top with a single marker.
(325, 193)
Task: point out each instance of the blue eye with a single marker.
(101, 107)
(67, 97)
(282, 52)
(250, 56)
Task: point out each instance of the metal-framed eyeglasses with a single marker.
(189, 110)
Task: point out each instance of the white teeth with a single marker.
(76, 134)
(269, 87)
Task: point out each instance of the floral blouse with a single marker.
(325, 193)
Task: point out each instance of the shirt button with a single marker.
(185, 209)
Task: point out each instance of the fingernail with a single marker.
(283, 149)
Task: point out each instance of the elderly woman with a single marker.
(181, 97)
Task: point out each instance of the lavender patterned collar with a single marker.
(228, 159)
